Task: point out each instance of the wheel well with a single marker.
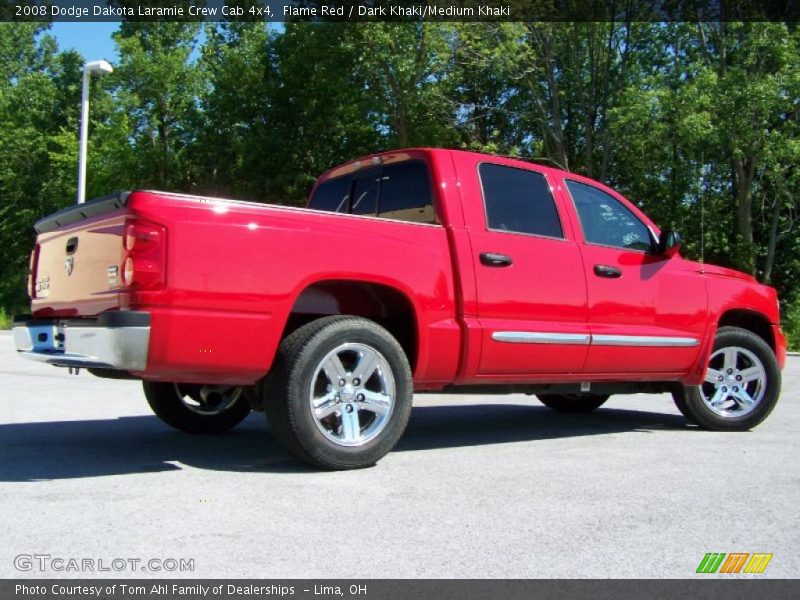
(385, 305)
(752, 321)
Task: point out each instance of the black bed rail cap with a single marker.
(90, 208)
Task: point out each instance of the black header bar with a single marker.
(400, 10)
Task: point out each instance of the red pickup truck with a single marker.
(414, 270)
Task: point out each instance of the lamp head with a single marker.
(98, 67)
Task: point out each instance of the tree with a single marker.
(36, 86)
(323, 113)
(236, 139)
(753, 62)
(481, 86)
(404, 67)
(157, 84)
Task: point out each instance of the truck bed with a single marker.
(231, 272)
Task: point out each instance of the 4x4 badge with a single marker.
(68, 264)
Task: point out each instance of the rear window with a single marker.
(399, 191)
(518, 201)
(365, 194)
(332, 196)
(406, 193)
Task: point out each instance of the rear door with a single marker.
(646, 312)
(531, 288)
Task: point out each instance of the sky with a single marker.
(92, 40)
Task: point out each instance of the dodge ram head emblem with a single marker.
(68, 264)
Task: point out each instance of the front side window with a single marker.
(518, 200)
(606, 221)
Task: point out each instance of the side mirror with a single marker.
(669, 243)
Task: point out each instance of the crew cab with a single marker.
(419, 270)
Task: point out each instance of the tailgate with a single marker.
(75, 268)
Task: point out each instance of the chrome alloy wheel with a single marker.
(352, 394)
(208, 400)
(735, 382)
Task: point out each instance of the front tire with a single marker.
(339, 394)
(197, 408)
(741, 387)
(573, 403)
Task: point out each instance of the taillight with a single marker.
(128, 271)
(31, 269)
(145, 255)
(130, 237)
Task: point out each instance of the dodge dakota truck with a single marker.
(420, 270)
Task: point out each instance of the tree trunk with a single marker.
(559, 148)
(402, 126)
(773, 240)
(401, 123)
(743, 174)
(550, 116)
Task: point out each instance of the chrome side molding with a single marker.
(585, 339)
(532, 337)
(644, 340)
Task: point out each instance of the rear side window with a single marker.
(406, 193)
(332, 196)
(606, 221)
(519, 201)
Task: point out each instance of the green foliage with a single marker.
(156, 84)
(404, 66)
(791, 326)
(37, 99)
(697, 123)
(6, 319)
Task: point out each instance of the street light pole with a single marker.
(97, 67)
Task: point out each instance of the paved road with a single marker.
(479, 487)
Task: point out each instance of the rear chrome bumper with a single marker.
(114, 340)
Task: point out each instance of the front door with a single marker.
(646, 312)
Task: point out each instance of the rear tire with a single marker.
(573, 403)
(741, 387)
(196, 408)
(339, 394)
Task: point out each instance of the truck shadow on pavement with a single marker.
(143, 444)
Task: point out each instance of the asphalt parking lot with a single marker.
(492, 486)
